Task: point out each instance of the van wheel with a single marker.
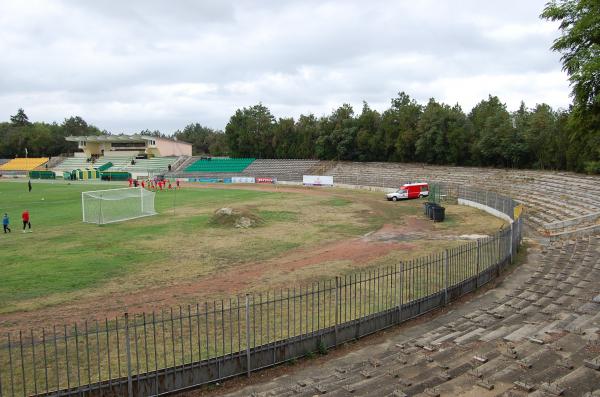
(394, 199)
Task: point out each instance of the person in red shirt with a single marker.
(169, 185)
(26, 220)
(177, 183)
(130, 182)
(143, 184)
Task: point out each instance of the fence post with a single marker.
(401, 292)
(478, 262)
(248, 335)
(446, 277)
(499, 255)
(512, 241)
(519, 232)
(337, 304)
(500, 247)
(128, 352)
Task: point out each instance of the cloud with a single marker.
(127, 66)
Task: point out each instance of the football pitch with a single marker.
(66, 267)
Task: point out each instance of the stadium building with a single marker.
(131, 145)
(119, 157)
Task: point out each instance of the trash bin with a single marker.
(439, 213)
(430, 210)
(426, 207)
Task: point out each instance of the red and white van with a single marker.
(409, 191)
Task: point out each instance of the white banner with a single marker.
(317, 180)
(242, 179)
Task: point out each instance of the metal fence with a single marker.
(161, 352)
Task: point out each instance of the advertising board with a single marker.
(317, 180)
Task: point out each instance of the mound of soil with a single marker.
(229, 217)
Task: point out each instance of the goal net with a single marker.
(115, 205)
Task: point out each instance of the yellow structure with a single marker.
(518, 211)
(24, 164)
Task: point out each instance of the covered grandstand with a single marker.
(130, 145)
(136, 167)
(138, 155)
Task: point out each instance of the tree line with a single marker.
(433, 133)
(39, 138)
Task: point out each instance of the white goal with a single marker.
(115, 205)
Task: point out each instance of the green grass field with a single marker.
(63, 254)
(65, 261)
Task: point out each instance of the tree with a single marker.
(579, 45)
(460, 137)
(493, 127)
(368, 126)
(204, 140)
(20, 119)
(250, 132)
(284, 139)
(443, 134)
(307, 129)
(399, 129)
(540, 135)
(337, 135)
(76, 126)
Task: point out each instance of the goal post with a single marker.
(116, 205)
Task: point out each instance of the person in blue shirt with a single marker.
(6, 223)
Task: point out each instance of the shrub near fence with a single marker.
(156, 353)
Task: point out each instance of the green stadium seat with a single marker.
(220, 165)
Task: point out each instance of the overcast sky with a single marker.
(129, 65)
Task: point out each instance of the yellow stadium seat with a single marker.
(24, 164)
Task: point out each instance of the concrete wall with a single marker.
(489, 210)
(168, 147)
